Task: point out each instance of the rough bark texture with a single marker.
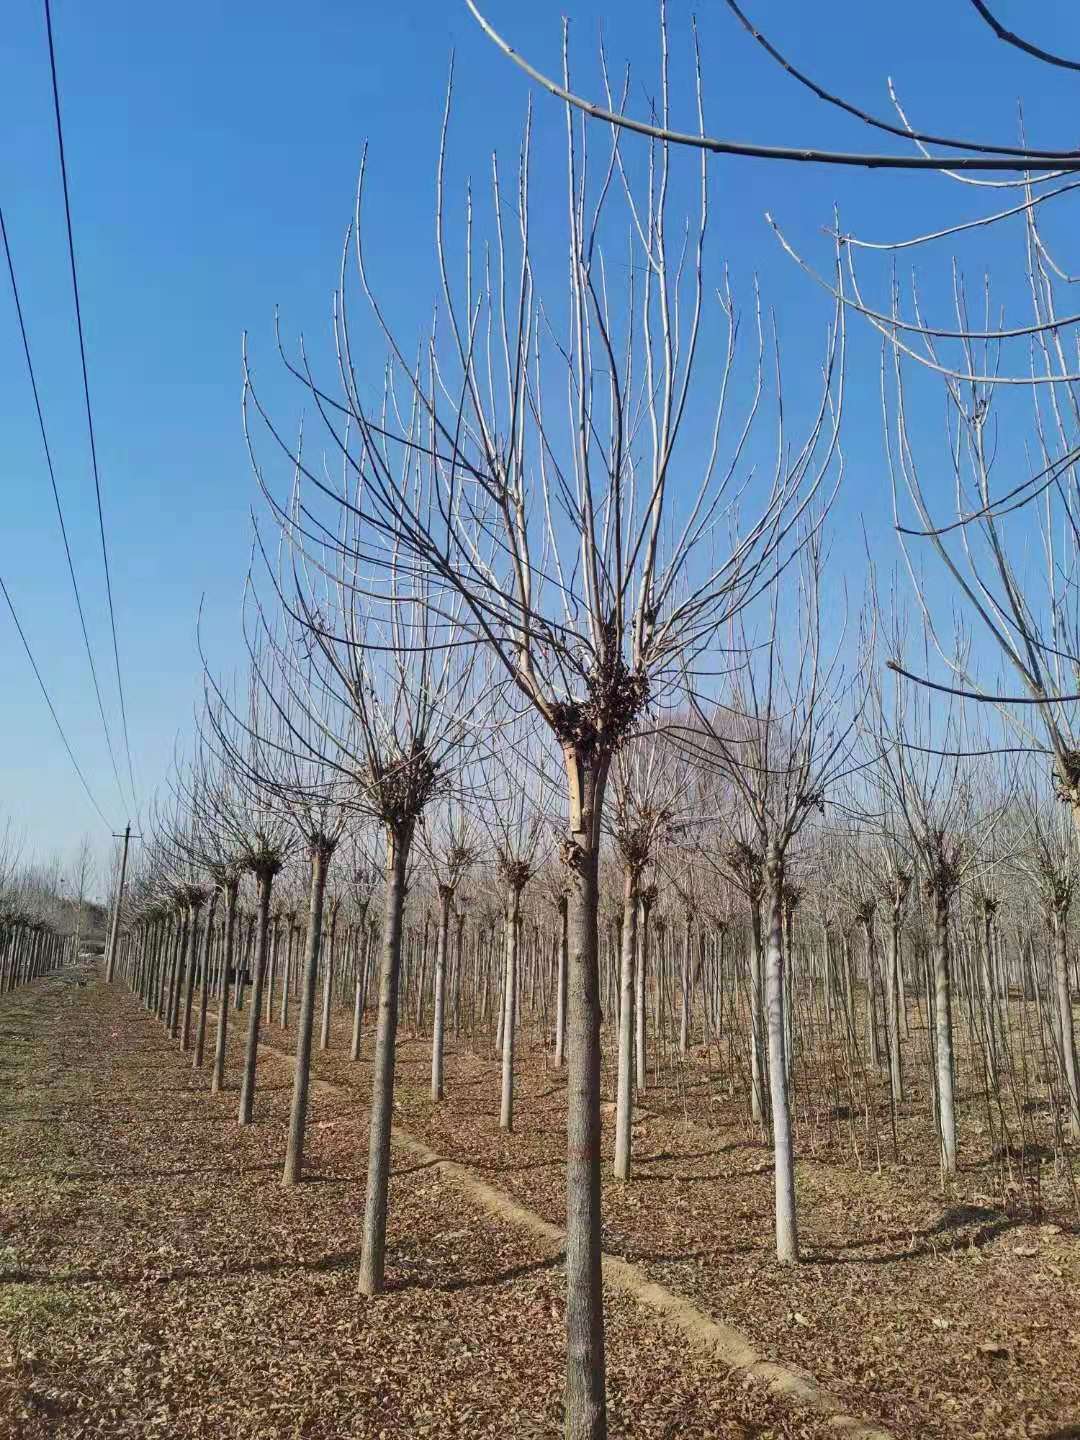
(787, 1237)
(373, 1253)
(294, 1150)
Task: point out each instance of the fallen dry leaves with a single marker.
(157, 1280)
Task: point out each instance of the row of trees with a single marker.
(46, 910)
(553, 540)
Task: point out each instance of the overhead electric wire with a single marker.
(86, 397)
(56, 497)
(48, 701)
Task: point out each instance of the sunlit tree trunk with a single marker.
(586, 1413)
(204, 987)
(373, 1253)
(446, 897)
(1063, 1006)
(944, 1029)
(510, 989)
(787, 1238)
(320, 854)
(624, 1092)
(560, 986)
(265, 880)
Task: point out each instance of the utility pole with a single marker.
(110, 957)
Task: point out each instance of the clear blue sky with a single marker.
(213, 152)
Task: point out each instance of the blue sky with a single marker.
(213, 152)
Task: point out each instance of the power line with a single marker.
(86, 394)
(48, 701)
(56, 496)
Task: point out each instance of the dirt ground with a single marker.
(155, 1278)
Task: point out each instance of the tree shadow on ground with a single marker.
(919, 1244)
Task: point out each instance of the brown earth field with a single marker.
(157, 1280)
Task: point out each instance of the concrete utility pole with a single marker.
(110, 956)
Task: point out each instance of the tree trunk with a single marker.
(328, 978)
(1065, 1020)
(758, 1106)
(560, 987)
(438, 1026)
(642, 970)
(294, 1151)
(787, 1238)
(190, 966)
(373, 1253)
(624, 1092)
(251, 1050)
(585, 1404)
(204, 988)
(510, 988)
(944, 1033)
(896, 1073)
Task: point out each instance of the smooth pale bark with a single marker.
(1066, 1037)
(510, 989)
(190, 965)
(363, 960)
(294, 1150)
(177, 975)
(286, 979)
(204, 986)
(896, 1073)
(217, 1080)
(373, 1252)
(639, 978)
(684, 1020)
(944, 1032)
(265, 878)
(560, 987)
(328, 979)
(585, 1397)
(787, 1236)
(758, 1106)
(438, 1029)
(624, 1085)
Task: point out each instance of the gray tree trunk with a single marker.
(640, 977)
(787, 1236)
(586, 1406)
(190, 965)
(624, 1086)
(758, 1108)
(251, 1049)
(373, 1252)
(438, 1028)
(560, 987)
(204, 987)
(510, 988)
(294, 1150)
(944, 1033)
(1065, 1020)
